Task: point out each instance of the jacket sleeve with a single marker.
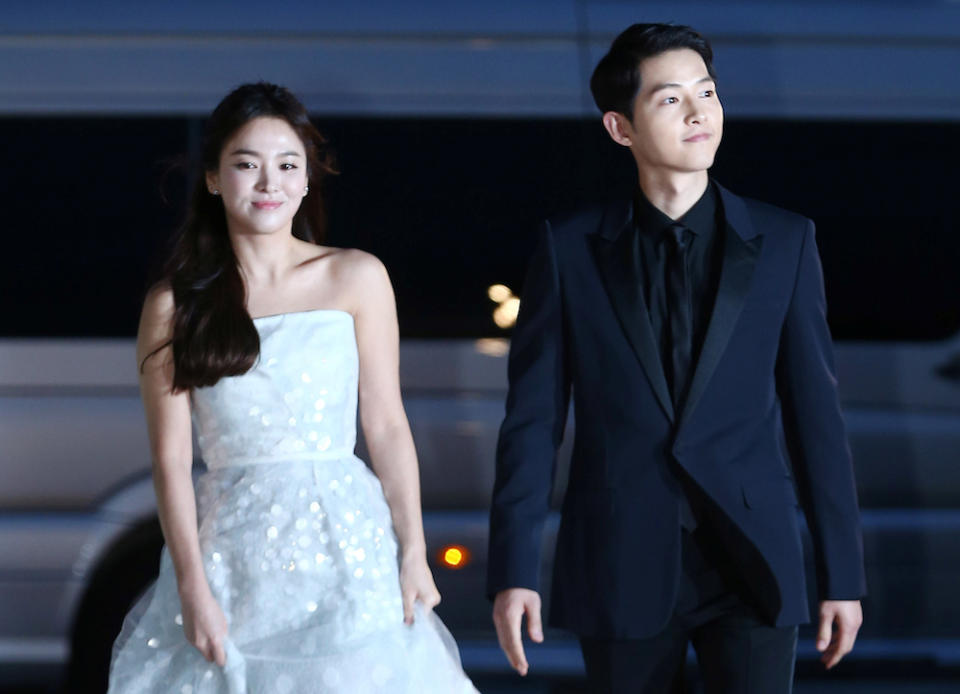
(532, 429)
(815, 433)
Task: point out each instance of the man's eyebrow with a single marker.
(668, 85)
(251, 153)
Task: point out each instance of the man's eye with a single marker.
(708, 93)
(671, 100)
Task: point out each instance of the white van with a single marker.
(459, 126)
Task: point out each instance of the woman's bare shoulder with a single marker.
(348, 266)
(158, 304)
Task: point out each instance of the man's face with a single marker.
(677, 116)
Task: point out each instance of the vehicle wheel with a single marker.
(129, 568)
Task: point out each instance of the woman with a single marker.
(283, 573)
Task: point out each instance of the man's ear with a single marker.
(618, 128)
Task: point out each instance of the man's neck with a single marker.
(673, 194)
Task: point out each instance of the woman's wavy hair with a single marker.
(213, 334)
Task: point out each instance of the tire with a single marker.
(129, 568)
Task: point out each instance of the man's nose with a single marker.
(696, 115)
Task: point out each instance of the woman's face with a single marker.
(262, 177)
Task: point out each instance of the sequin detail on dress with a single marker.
(296, 538)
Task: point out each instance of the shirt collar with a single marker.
(700, 219)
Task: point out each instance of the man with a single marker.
(690, 325)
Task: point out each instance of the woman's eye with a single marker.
(287, 166)
(245, 165)
(671, 100)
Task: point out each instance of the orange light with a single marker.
(454, 556)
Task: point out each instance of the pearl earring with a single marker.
(306, 189)
(214, 192)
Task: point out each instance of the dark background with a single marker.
(451, 206)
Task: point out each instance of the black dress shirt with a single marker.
(704, 261)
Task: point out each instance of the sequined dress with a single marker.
(296, 538)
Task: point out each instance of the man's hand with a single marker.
(840, 621)
(508, 609)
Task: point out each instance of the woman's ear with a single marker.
(213, 182)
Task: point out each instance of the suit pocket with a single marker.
(769, 493)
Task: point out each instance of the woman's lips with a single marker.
(268, 205)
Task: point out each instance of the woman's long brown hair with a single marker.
(213, 334)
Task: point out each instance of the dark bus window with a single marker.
(451, 206)
(883, 196)
(87, 219)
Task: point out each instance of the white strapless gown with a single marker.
(296, 538)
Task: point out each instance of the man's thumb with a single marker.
(824, 632)
(534, 625)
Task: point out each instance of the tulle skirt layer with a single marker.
(302, 558)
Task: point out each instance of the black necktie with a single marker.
(680, 330)
(679, 311)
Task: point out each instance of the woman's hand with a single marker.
(416, 583)
(204, 623)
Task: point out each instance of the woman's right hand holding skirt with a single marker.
(204, 623)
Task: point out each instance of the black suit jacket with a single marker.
(764, 382)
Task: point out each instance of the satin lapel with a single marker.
(739, 260)
(616, 256)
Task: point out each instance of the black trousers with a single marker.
(737, 652)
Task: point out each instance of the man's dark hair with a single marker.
(616, 79)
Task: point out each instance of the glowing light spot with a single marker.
(492, 346)
(454, 556)
(505, 315)
(499, 293)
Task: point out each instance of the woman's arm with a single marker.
(385, 425)
(168, 425)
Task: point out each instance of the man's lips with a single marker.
(699, 137)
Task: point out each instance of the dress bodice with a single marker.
(299, 401)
